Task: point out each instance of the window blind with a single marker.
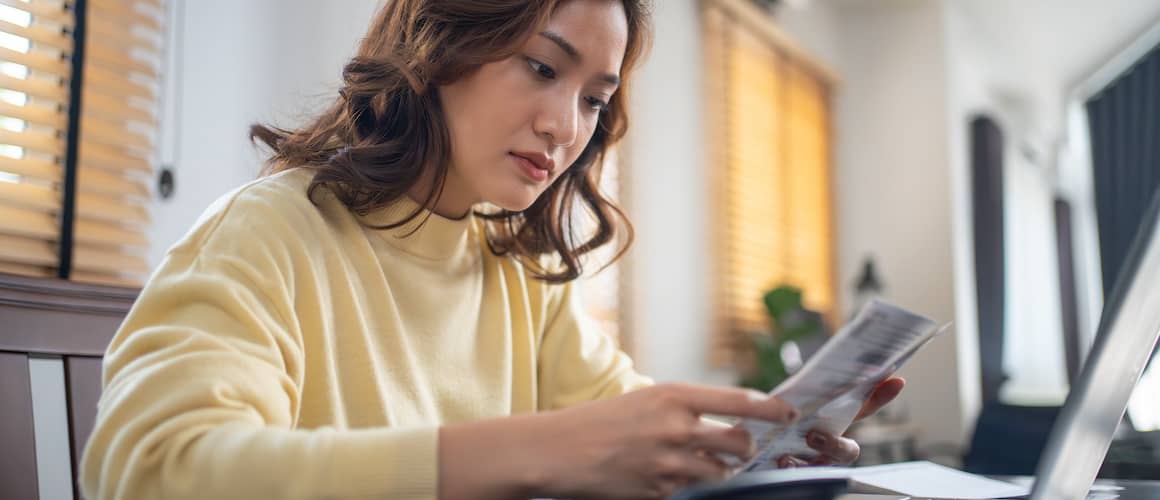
(34, 48)
(769, 130)
(117, 123)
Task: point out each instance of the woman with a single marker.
(357, 324)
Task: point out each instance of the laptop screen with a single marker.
(1125, 340)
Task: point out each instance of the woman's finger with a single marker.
(729, 440)
(690, 465)
(789, 462)
(821, 460)
(668, 487)
(729, 401)
(884, 393)
(838, 449)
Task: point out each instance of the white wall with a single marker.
(1075, 182)
(895, 188)
(894, 185)
(966, 96)
(1033, 342)
(235, 63)
(888, 109)
(665, 164)
(818, 29)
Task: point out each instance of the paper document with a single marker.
(831, 387)
(930, 480)
(912, 479)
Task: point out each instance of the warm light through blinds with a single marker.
(770, 129)
(117, 135)
(118, 139)
(35, 44)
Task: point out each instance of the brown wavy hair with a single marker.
(386, 128)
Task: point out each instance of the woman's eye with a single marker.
(595, 103)
(542, 70)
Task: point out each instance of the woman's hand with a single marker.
(645, 444)
(652, 442)
(837, 450)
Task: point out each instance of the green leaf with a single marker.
(782, 300)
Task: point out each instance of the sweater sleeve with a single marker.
(202, 385)
(578, 362)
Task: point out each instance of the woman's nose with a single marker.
(558, 122)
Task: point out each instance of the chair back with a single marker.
(53, 334)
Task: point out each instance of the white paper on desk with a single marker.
(930, 480)
(831, 387)
(913, 479)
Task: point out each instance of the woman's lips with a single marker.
(530, 169)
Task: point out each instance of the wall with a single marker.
(818, 29)
(665, 165)
(966, 96)
(235, 63)
(1075, 183)
(894, 186)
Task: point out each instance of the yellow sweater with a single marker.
(283, 350)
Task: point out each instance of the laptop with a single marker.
(1125, 340)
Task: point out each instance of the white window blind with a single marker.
(116, 141)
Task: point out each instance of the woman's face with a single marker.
(518, 123)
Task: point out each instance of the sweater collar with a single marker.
(428, 235)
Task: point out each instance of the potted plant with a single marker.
(773, 353)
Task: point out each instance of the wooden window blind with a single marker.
(769, 124)
(34, 47)
(114, 127)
